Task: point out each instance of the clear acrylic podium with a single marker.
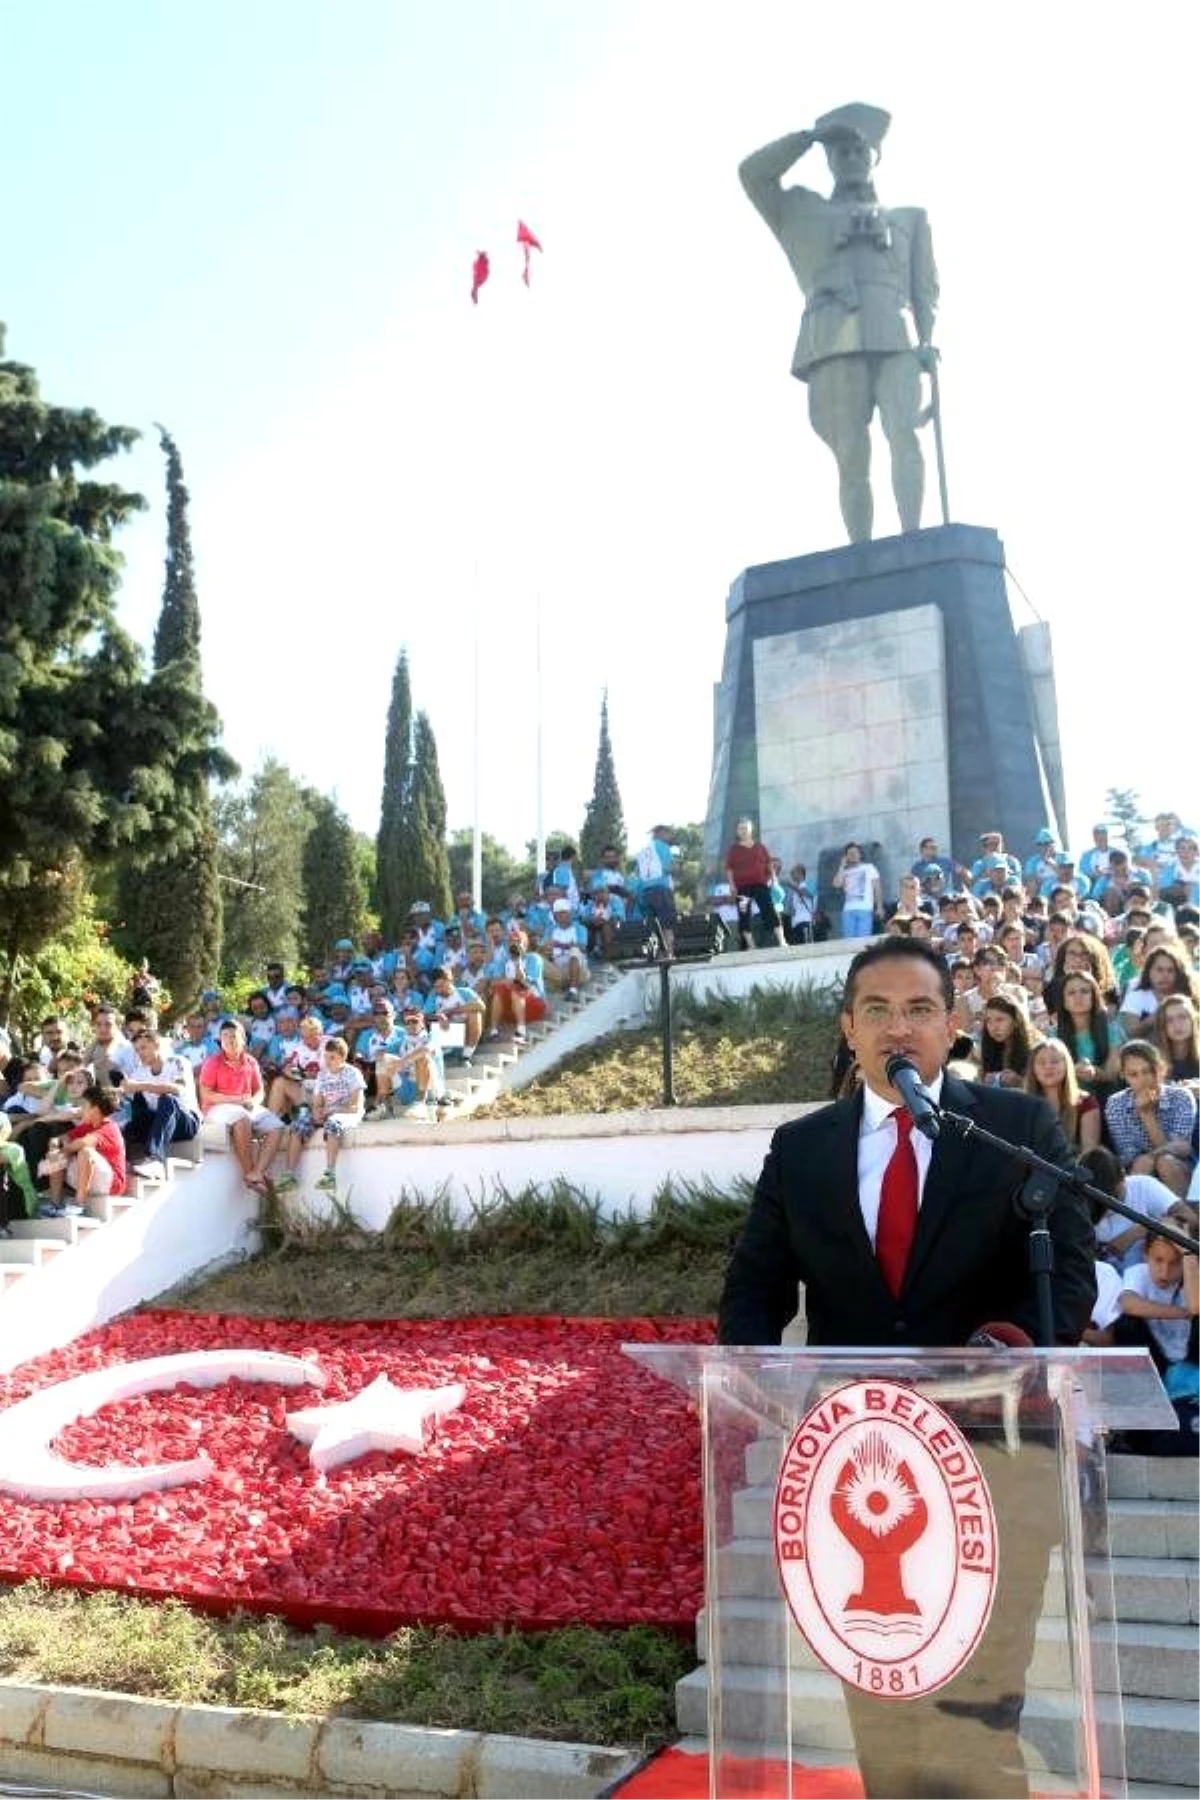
(907, 1565)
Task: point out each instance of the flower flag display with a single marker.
(562, 1487)
(528, 242)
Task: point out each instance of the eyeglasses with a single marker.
(877, 1013)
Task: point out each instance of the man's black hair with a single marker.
(887, 949)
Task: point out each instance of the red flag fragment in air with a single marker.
(528, 242)
(481, 268)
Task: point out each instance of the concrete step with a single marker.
(1157, 1661)
(65, 1231)
(11, 1273)
(107, 1207)
(31, 1251)
(1160, 1735)
(1135, 1527)
(1148, 1589)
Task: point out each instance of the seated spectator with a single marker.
(449, 1004)
(275, 985)
(519, 995)
(1095, 861)
(1092, 1040)
(337, 1106)
(1065, 877)
(600, 914)
(299, 1066)
(1179, 881)
(1121, 1241)
(1122, 883)
(1011, 940)
(164, 1108)
(991, 843)
(110, 1053)
(410, 1071)
(1159, 853)
(995, 875)
(91, 1160)
(610, 873)
(18, 1197)
(231, 1094)
(1151, 1122)
(1165, 971)
(1051, 1077)
(1159, 1304)
(565, 953)
(467, 917)
(1039, 1012)
(195, 1046)
(992, 979)
(929, 858)
(1059, 927)
(1081, 953)
(1005, 1043)
(562, 882)
(258, 1022)
(1129, 955)
(1175, 1032)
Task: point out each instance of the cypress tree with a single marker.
(171, 905)
(604, 822)
(431, 861)
(334, 890)
(393, 850)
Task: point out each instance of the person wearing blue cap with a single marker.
(1094, 862)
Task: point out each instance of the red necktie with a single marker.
(897, 1206)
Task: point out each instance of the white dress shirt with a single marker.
(877, 1140)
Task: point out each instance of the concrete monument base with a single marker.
(881, 692)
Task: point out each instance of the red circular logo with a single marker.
(885, 1539)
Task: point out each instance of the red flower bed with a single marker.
(566, 1489)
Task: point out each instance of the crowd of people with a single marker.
(366, 1034)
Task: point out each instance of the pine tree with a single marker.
(431, 863)
(90, 751)
(171, 906)
(393, 845)
(334, 891)
(604, 822)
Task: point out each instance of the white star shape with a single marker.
(378, 1417)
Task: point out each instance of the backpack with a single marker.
(649, 864)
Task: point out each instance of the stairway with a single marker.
(36, 1244)
(1154, 1503)
(495, 1065)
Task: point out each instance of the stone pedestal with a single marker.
(880, 692)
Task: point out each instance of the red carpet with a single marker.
(675, 1774)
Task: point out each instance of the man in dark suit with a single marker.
(823, 1216)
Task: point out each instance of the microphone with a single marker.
(903, 1076)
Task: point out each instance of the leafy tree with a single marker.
(171, 905)
(68, 975)
(335, 893)
(393, 846)
(1124, 805)
(604, 822)
(430, 869)
(502, 872)
(263, 831)
(91, 753)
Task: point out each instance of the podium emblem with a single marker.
(885, 1539)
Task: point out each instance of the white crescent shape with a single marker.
(30, 1469)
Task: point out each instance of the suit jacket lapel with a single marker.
(842, 1204)
(947, 1169)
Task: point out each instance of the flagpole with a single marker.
(477, 832)
(541, 833)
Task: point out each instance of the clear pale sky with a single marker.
(255, 221)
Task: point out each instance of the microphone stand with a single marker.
(1034, 1200)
